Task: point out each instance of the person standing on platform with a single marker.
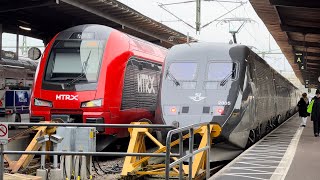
(303, 104)
(315, 113)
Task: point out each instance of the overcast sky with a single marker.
(253, 33)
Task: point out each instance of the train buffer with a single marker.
(172, 164)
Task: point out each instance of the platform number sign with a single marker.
(3, 133)
(299, 58)
(306, 84)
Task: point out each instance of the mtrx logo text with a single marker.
(145, 84)
(66, 97)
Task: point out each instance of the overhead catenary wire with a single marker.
(162, 6)
(244, 26)
(229, 11)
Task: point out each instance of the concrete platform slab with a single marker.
(270, 158)
(306, 163)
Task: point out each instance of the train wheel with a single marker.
(252, 138)
(268, 127)
(279, 119)
(258, 133)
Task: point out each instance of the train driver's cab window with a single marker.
(74, 61)
(221, 71)
(219, 74)
(183, 74)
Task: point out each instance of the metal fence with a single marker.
(168, 155)
(191, 153)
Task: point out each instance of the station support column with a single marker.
(1, 160)
(17, 45)
(0, 41)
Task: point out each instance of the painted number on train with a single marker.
(145, 83)
(224, 103)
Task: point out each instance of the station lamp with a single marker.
(25, 28)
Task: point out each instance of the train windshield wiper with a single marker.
(176, 82)
(226, 79)
(83, 71)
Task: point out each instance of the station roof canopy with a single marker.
(48, 17)
(295, 25)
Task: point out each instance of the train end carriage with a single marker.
(226, 84)
(96, 74)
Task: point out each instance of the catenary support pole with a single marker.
(1, 41)
(1, 162)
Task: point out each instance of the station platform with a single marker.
(290, 152)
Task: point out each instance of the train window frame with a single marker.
(197, 70)
(52, 53)
(222, 61)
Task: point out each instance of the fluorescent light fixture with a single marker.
(25, 28)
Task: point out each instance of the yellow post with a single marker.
(199, 159)
(136, 145)
(33, 146)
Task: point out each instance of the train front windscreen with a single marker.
(73, 65)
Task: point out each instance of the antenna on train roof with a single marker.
(188, 38)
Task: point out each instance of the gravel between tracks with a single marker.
(108, 164)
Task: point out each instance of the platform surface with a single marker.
(290, 152)
(306, 162)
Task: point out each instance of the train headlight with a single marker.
(171, 110)
(93, 103)
(218, 110)
(42, 103)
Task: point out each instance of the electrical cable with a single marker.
(65, 168)
(90, 176)
(80, 164)
(95, 168)
(108, 171)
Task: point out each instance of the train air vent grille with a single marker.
(185, 109)
(206, 110)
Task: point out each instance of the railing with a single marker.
(191, 153)
(167, 155)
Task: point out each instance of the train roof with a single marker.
(21, 62)
(212, 50)
(219, 51)
(102, 32)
